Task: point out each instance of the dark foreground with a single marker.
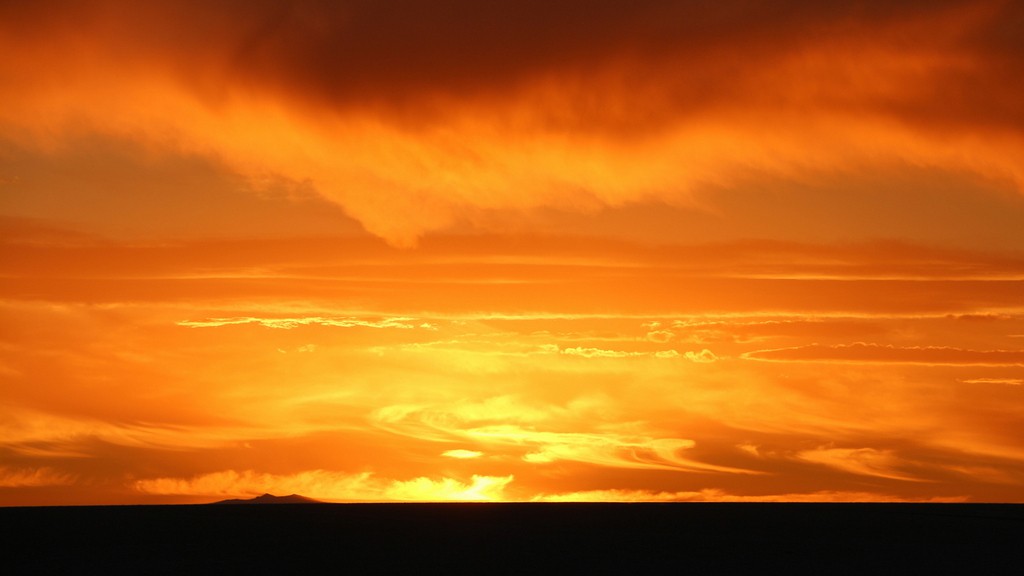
(515, 539)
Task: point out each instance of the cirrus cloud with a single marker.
(885, 353)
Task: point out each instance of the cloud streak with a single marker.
(863, 461)
(289, 323)
(863, 352)
(507, 426)
(33, 477)
(715, 495)
(329, 486)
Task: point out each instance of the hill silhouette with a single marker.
(271, 499)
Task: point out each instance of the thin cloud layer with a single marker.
(33, 477)
(289, 323)
(866, 461)
(870, 352)
(329, 486)
(713, 495)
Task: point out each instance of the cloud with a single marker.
(40, 434)
(862, 461)
(330, 486)
(449, 278)
(659, 336)
(289, 323)
(1004, 381)
(343, 487)
(34, 433)
(30, 477)
(364, 487)
(927, 460)
(598, 352)
(462, 454)
(715, 495)
(703, 357)
(479, 489)
(537, 436)
(862, 352)
(589, 352)
(413, 118)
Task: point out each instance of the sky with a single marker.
(521, 250)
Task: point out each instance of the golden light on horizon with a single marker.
(664, 252)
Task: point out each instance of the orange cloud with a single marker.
(506, 425)
(714, 495)
(585, 352)
(870, 352)
(329, 486)
(416, 136)
(42, 434)
(1005, 381)
(865, 461)
(288, 323)
(43, 476)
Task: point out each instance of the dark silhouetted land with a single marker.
(271, 499)
(516, 539)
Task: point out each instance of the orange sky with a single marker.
(460, 250)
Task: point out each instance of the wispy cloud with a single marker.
(716, 495)
(1003, 381)
(329, 486)
(289, 323)
(884, 353)
(704, 356)
(46, 435)
(863, 461)
(30, 477)
(532, 435)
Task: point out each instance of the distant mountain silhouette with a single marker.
(271, 499)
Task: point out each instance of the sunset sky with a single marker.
(511, 250)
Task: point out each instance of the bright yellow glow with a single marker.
(462, 454)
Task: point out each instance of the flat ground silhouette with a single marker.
(516, 539)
